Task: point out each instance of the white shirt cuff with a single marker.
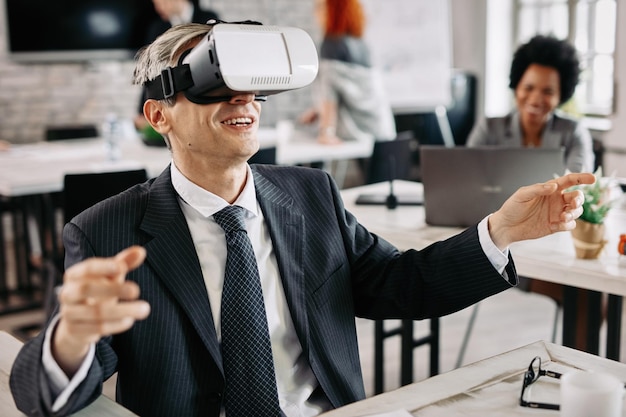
(498, 258)
(61, 386)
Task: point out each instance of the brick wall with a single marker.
(33, 96)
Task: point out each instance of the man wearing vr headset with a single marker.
(318, 266)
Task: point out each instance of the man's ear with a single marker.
(153, 110)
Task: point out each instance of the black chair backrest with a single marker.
(264, 156)
(461, 113)
(81, 191)
(391, 159)
(71, 132)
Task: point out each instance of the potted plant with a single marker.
(589, 234)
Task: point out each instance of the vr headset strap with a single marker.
(171, 81)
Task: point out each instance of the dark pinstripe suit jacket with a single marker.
(331, 267)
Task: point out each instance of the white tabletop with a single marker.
(39, 168)
(9, 347)
(551, 258)
(486, 388)
(302, 148)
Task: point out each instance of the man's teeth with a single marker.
(239, 121)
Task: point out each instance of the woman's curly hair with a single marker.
(549, 52)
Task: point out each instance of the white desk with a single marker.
(486, 388)
(551, 258)
(39, 168)
(301, 147)
(9, 347)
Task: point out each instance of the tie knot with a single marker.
(230, 218)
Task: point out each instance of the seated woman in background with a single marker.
(544, 74)
(350, 100)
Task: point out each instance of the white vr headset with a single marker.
(245, 57)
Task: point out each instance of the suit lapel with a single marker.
(287, 229)
(173, 256)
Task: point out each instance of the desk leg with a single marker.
(614, 324)
(409, 343)
(575, 301)
(594, 321)
(570, 312)
(434, 346)
(406, 371)
(3, 256)
(49, 231)
(380, 334)
(20, 243)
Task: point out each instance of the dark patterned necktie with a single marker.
(246, 350)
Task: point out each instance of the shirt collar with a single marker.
(207, 203)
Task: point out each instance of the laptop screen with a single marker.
(462, 185)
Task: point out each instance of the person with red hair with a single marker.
(350, 100)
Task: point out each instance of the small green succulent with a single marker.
(598, 200)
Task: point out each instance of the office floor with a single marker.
(505, 321)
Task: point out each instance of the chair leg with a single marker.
(380, 334)
(379, 355)
(557, 314)
(466, 336)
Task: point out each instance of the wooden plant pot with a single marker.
(588, 239)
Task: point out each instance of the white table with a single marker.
(9, 347)
(551, 258)
(486, 388)
(39, 168)
(301, 147)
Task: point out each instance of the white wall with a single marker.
(468, 40)
(498, 51)
(615, 139)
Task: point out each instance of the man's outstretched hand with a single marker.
(538, 210)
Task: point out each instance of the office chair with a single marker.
(394, 160)
(64, 132)
(264, 156)
(81, 191)
(71, 132)
(391, 159)
(461, 113)
(408, 344)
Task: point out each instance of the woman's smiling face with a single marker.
(537, 94)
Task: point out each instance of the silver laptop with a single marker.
(462, 185)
